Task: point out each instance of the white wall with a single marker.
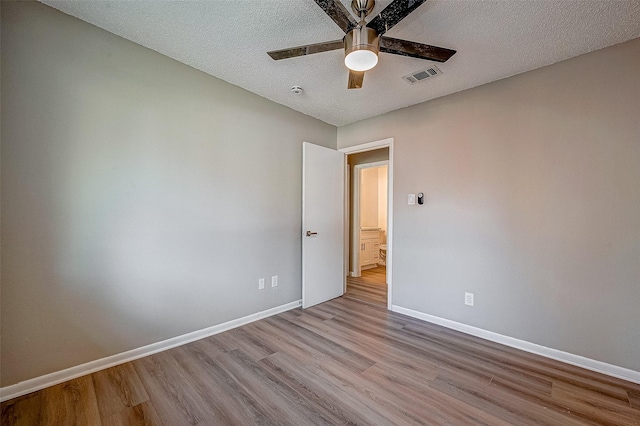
(141, 199)
(383, 177)
(369, 198)
(532, 189)
(373, 197)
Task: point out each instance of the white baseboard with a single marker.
(38, 383)
(569, 358)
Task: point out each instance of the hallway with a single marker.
(370, 287)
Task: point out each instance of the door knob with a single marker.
(309, 233)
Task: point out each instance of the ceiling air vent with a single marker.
(425, 74)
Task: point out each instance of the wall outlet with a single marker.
(412, 199)
(261, 284)
(274, 281)
(468, 299)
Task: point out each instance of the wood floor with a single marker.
(341, 362)
(370, 287)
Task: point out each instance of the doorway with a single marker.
(368, 213)
(368, 240)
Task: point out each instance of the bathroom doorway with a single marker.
(368, 226)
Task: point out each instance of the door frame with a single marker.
(355, 213)
(369, 146)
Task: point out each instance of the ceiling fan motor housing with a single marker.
(362, 6)
(361, 38)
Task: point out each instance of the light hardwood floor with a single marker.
(341, 362)
(370, 286)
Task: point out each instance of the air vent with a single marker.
(422, 75)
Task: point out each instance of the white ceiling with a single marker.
(494, 39)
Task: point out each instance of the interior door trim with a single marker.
(383, 143)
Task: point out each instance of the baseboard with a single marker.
(38, 383)
(569, 358)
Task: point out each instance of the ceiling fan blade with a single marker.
(355, 79)
(392, 14)
(338, 13)
(306, 50)
(415, 50)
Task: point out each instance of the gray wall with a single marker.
(141, 199)
(532, 191)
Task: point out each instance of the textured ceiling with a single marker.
(494, 39)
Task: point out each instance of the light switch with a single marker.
(412, 199)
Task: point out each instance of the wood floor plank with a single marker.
(228, 400)
(492, 363)
(23, 411)
(283, 341)
(335, 377)
(634, 399)
(339, 353)
(314, 311)
(212, 346)
(172, 392)
(69, 403)
(143, 414)
(376, 394)
(340, 362)
(346, 308)
(254, 347)
(408, 342)
(435, 406)
(547, 368)
(370, 286)
(118, 388)
(388, 402)
(376, 349)
(348, 402)
(282, 404)
(450, 356)
(324, 395)
(504, 405)
(602, 408)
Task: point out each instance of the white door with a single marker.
(322, 224)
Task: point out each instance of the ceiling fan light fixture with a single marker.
(361, 60)
(361, 46)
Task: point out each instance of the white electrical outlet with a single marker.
(468, 299)
(261, 284)
(274, 281)
(412, 199)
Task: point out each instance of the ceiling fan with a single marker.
(363, 41)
